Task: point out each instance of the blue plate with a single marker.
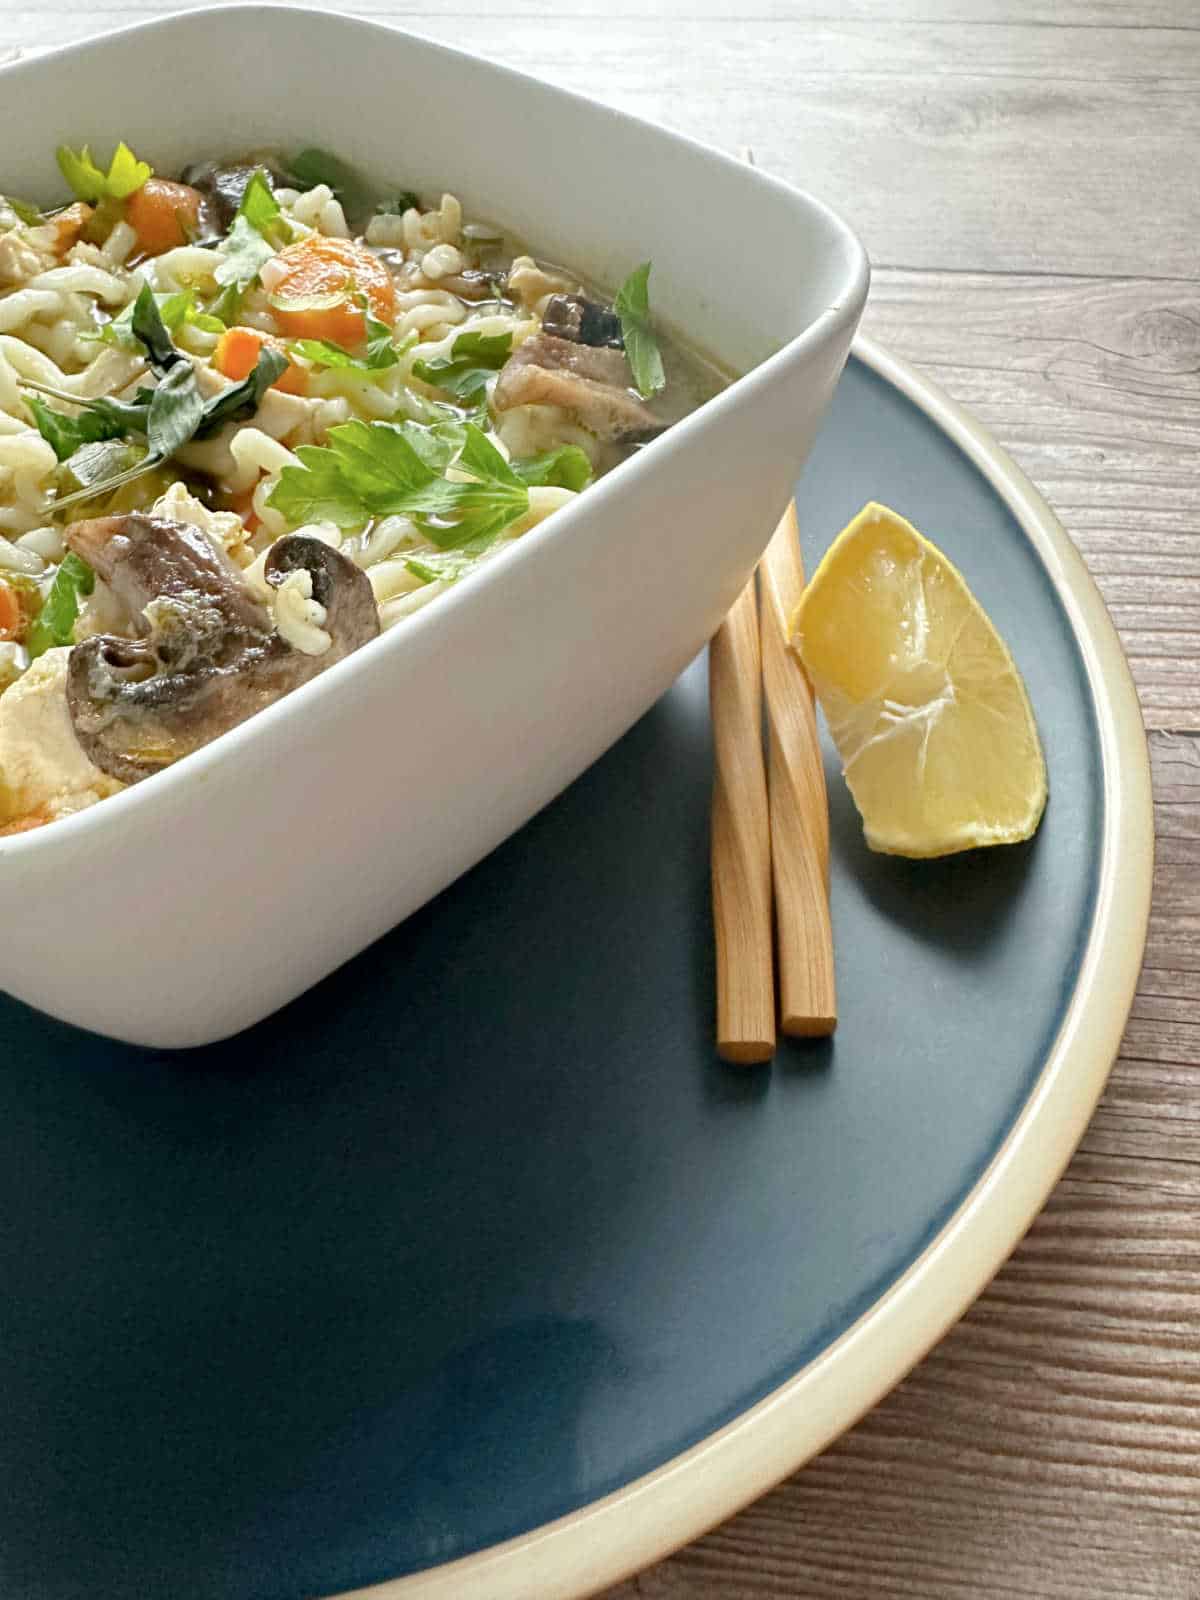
(479, 1231)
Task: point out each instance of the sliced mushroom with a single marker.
(223, 185)
(574, 317)
(590, 383)
(473, 283)
(207, 656)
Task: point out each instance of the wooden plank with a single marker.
(850, 110)
(1050, 1446)
(1179, 15)
(1095, 389)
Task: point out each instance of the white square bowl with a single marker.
(199, 901)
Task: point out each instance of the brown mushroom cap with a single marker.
(207, 656)
(588, 381)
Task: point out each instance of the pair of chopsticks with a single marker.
(770, 821)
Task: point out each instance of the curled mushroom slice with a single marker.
(207, 656)
(473, 283)
(223, 186)
(574, 317)
(589, 383)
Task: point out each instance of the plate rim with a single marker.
(647, 1519)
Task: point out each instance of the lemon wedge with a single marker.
(925, 703)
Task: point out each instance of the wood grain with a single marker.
(1024, 174)
(741, 840)
(893, 114)
(799, 805)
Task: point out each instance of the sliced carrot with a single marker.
(12, 614)
(243, 504)
(68, 225)
(316, 267)
(238, 350)
(162, 214)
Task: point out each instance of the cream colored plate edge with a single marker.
(590, 1549)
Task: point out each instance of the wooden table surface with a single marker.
(1025, 176)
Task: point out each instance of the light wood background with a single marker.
(1026, 176)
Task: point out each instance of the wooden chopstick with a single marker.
(741, 840)
(764, 830)
(799, 805)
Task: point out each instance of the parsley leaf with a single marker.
(125, 175)
(180, 310)
(244, 254)
(465, 371)
(632, 305)
(565, 468)
(259, 205)
(373, 469)
(175, 311)
(55, 622)
(441, 566)
(251, 242)
(66, 434)
(382, 353)
(314, 166)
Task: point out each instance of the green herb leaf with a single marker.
(174, 311)
(102, 484)
(383, 468)
(55, 622)
(176, 410)
(117, 332)
(565, 468)
(441, 566)
(94, 464)
(227, 307)
(23, 211)
(314, 166)
(244, 399)
(244, 254)
(125, 175)
(180, 310)
(382, 352)
(120, 416)
(257, 229)
(317, 491)
(397, 205)
(465, 371)
(147, 325)
(259, 205)
(632, 305)
(66, 434)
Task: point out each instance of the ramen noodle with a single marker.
(253, 416)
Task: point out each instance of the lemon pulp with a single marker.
(926, 706)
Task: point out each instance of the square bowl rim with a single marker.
(843, 310)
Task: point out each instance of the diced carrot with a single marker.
(162, 214)
(238, 350)
(12, 615)
(243, 504)
(317, 266)
(68, 225)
